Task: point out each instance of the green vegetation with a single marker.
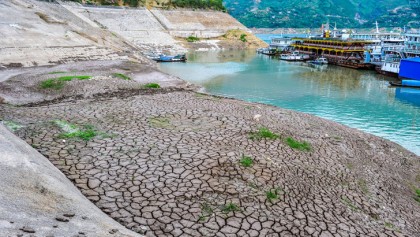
(192, 39)
(263, 133)
(302, 146)
(272, 195)
(417, 197)
(349, 204)
(391, 226)
(52, 84)
(57, 72)
(243, 38)
(152, 86)
(311, 14)
(59, 82)
(160, 122)
(122, 76)
(230, 207)
(69, 78)
(363, 186)
(206, 211)
(86, 133)
(13, 126)
(246, 161)
(202, 4)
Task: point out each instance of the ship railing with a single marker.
(334, 46)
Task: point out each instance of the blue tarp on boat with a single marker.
(410, 68)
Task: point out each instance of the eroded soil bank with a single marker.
(173, 162)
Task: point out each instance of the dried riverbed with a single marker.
(169, 164)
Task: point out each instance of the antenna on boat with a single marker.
(377, 27)
(335, 30)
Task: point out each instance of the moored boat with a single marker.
(320, 61)
(294, 56)
(269, 51)
(176, 58)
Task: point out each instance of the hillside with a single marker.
(312, 13)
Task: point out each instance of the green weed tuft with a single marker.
(59, 82)
(263, 133)
(231, 207)
(69, 78)
(272, 195)
(349, 204)
(52, 84)
(243, 38)
(152, 86)
(57, 72)
(192, 39)
(417, 197)
(86, 133)
(302, 146)
(122, 76)
(13, 126)
(246, 161)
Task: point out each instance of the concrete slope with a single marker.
(37, 198)
(34, 33)
(203, 24)
(137, 25)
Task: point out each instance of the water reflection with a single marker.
(359, 99)
(408, 95)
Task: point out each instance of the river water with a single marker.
(359, 99)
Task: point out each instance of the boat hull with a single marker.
(389, 74)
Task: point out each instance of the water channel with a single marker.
(359, 99)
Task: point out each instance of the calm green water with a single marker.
(359, 99)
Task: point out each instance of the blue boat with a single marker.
(410, 69)
(176, 58)
(409, 73)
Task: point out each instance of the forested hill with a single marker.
(164, 4)
(312, 13)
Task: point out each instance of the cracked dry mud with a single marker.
(170, 167)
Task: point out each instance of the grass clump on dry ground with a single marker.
(263, 133)
(152, 86)
(206, 211)
(13, 126)
(246, 161)
(230, 207)
(59, 82)
(122, 76)
(272, 194)
(417, 197)
(192, 39)
(86, 132)
(302, 146)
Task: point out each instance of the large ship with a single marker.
(346, 53)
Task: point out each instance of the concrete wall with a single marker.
(41, 33)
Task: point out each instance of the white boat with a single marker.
(281, 43)
(294, 56)
(319, 61)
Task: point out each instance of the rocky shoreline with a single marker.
(174, 162)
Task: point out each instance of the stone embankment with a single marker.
(49, 33)
(172, 162)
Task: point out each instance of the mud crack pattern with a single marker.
(170, 167)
